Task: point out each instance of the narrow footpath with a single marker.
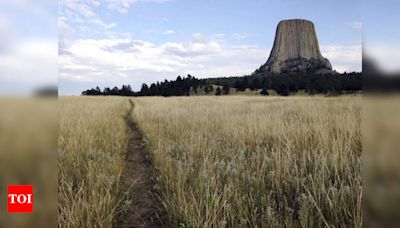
(143, 210)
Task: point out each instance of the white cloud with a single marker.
(240, 36)
(78, 7)
(106, 60)
(117, 61)
(73, 10)
(79, 17)
(219, 35)
(96, 2)
(169, 32)
(344, 57)
(198, 45)
(122, 6)
(65, 36)
(356, 25)
(97, 21)
(149, 31)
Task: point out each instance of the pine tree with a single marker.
(218, 92)
(225, 90)
(207, 90)
(264, 92)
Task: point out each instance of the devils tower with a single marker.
(296, 49)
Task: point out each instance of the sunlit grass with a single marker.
(93, 141)
(255, 161)
(219, 161)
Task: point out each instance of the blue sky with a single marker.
(257, 19)
(115, 42)
(380, 20)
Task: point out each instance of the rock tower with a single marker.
(296, 49)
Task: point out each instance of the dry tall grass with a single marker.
(254, 161)
(92, 144)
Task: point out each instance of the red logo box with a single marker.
(20, 198)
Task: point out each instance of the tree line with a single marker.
(283, 84)
(182, 86)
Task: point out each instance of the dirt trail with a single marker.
(143, 211)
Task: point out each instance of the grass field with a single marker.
(92, 144)
(229, 161)
(255, 161)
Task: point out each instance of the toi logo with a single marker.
(20, 198)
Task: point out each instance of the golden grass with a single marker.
(255, 161)
(220, 161)
(93, 141)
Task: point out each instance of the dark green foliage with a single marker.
(240, 84)
(264, 92)
(282, 89)
(218, 92)
(225, 90)
(179, 87)
(255, 84)
(145, 89)
(283, 84)
(206, 89)
(333, 84)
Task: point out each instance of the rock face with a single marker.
(296, 49)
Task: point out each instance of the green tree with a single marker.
(283, 90)
(206, 89)
(264, 92)
(218, 92)
(144, 91)
(225, 90)
(255, 84)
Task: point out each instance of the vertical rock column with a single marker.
(296, 49)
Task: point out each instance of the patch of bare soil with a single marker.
(143, 209)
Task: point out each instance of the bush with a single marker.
(264, 92)
(218, 92)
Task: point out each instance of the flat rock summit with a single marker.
(296, 49)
